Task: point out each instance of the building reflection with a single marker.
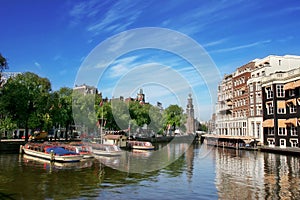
(256, 175)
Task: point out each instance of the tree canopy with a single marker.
(25, 100)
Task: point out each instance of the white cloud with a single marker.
(245, 46)
(37, 65)
(118, 18)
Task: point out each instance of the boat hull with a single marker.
(52, 157)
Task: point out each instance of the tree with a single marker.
(25, 100)
(61, 109)
(3, 66)
(174, 117)
(85, 110)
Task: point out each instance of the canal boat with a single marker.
(51, 152)
(141, 145)
(106, 149)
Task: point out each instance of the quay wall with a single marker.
(10, 146)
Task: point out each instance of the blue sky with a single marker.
(53, 39)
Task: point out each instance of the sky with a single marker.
(168, 48)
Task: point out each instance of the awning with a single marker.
(297, 83)
(291, 101)
(281, 123)
(268, 123)
(289, 86)
(291, 121)
(280, 104)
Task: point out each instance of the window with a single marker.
(270, 131)
(281, 131)
(293, 108)
(280, 110)
(258, 129)
(269, 92)
(279, 91)
(251, 99)
(251, 112)
(258, 110)
(293, 130)
(282, 143)
(258, 85)
(251, 87)
(270, 108)
(253, 128)
(271, 141)
(294, 142)
(291, 93)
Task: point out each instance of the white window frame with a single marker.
(271, 142)
(270, 108)
(293, 108)
(282, 143)
(281, 131)
(269, 92)
(294, 142)
(279, 90)
(293, 130)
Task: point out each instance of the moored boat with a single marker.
(51, 152)
(106, 149)
(142, 145)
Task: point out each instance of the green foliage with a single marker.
(7, 124)
(173, 116)
(203, 127)
(3, 63)
(24, 99)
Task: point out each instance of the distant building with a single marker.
(85, 89)
(140, 97)
(190, 124)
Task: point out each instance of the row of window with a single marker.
(233, 124)
(282, 142)
(283, 131)
(257, 86)
(270, 109)
(258, 111)
(279, 92)
(239, 81)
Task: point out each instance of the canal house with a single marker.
(281, 111)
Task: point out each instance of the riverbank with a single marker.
(11, 146)
(246, 143)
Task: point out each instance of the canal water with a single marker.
(200, 173)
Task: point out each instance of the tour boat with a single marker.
(51, 152)
(142, 145)
(106, 149)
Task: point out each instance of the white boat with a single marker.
(51, 152)
(141, 145)
(106, 150)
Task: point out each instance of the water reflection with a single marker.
(256, 175)
(220, 174)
